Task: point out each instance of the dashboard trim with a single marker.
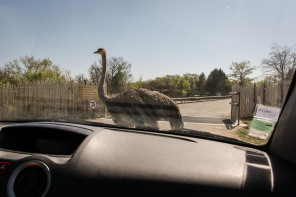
(20, 168)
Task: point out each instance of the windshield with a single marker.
(210, 68)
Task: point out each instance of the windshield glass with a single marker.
(212, 68)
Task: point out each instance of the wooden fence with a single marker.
(271, 95)
(45, 101)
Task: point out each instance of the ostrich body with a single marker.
(138, 107)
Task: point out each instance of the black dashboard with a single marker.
(55, 159)
(43, 138)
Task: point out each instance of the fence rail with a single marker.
(44, 101)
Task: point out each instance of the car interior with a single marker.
(64, 159)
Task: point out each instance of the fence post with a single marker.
(238, 113)
(235, 105)
(282, 92)
(264, 92)
(255, 94)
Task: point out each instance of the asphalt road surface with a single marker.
(207, 116)
(206, 112)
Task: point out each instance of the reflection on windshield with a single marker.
(167, 66)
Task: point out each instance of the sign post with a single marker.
(235, 106)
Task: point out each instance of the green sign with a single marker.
(264, 121)
(262, 125)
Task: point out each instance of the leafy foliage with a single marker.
(240, 72)
(138, 84)
(29, 69)
(172, 85)
(267, 81)
(218, 82)
(193, 80)
(180, 83)
(201, 85)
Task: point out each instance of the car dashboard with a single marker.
(56, 159)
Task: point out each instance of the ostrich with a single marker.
(138, 107)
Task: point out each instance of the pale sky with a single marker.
(156, 37)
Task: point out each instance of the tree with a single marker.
(218, 82)
(5, 78)
(138, 84)
(193, 80)
(117, 77)
(81, 79)
(240, 72)
(94, 73)
(281, 63)
(181, 83)
(201, 83)
(29, 69)
(266, 81)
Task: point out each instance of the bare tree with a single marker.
(94, 73)
(118, 74)
(281, 62)
(81, 79)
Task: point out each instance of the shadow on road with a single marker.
(229, 124)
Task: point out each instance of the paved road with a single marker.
(206, 112)
(208, 116)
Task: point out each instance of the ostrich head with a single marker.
(100, 51)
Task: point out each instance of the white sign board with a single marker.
(264, 121)
(271, 113)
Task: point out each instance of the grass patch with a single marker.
(242, 134)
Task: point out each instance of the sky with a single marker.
(158, 37)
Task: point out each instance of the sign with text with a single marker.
(264, 121)
(88, 92)
(271, 113)
(261, 128)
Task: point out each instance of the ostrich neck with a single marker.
(102, 94)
